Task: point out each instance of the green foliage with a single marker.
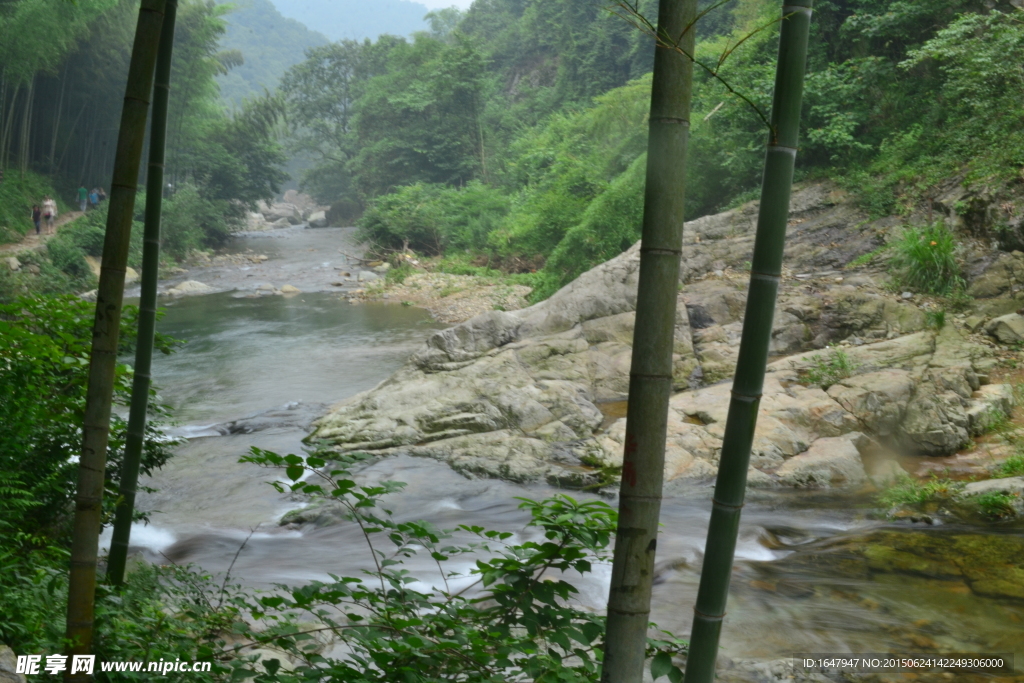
(924, 260)
(865, 259)
(935, 320)
(398, 274)
(45, 345)
(829, 369)
(995, 505)
(517, 620)
(433, 219)
(1012, 466)
(907, 491)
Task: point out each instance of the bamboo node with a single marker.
(782, 148)
(756, 275)
(670, 119)
(708, 617)
(717, 503)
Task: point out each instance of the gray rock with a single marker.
(988, 405)
(283, 211)
(8, 666)
(1007, 328)
(318, 219)
(367, 276)
(1013, 486)
(516, 394)
(13, 264)
(829, 462)
(382, 268)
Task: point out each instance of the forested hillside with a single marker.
(61, 87)
(268, 43)
(516, 131)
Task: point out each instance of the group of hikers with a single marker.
(44, 217)
(47, 212)
(90, 199)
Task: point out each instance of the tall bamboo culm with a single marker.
(650, 381)
(765, 272)
(103, 359)
(147, 304)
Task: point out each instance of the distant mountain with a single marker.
(269, 43)
(357, 19)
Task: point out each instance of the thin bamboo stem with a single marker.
(103, 359)
(147, 305)
(650, 382)
(765, 274)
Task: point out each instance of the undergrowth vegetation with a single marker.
(514, 615)
(828, 369)
(924, 259)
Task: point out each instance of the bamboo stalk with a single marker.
(765, 273)
(147, 305)
(650, 381)
(103, 360)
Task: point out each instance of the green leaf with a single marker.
(661, 665)
(295, 472)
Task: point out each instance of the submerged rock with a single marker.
(190, 288)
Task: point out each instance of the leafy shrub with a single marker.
(66, 256)
(87, 233)
(516, 621)
(827, 370)
(924, 260)
(45, 345)
(433, 219)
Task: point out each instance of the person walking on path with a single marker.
(49, 213)
(103, 195)
(94, 198)
(37, 216)
(83, 197)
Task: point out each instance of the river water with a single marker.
(256, 370)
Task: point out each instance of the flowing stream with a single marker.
(256, 370)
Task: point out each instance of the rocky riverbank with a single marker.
(537, 393)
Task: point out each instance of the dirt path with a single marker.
(32, 240)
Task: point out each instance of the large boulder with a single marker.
(530, 394)
(318, 219)
(828, 463)
(283, 211)
(1008, 329)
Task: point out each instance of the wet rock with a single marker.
(190, 288)
(829, 462)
